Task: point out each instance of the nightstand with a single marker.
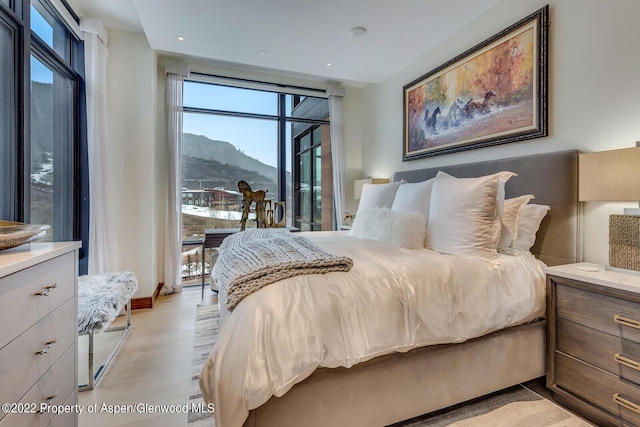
(593, 335)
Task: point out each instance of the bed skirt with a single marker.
(400, 386)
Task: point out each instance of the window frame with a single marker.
(16, 199)
(10, 201)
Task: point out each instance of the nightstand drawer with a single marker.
(613, 354)
(598, 387)
(608, 314)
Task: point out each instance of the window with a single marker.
(236, 133)
(272, 140)
(313, 203)
(41, 136)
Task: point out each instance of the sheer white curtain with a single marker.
(337, 154)
(173, 222)
(96, 53)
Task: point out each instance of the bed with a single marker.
(363, 382)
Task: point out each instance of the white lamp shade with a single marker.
(359, 183)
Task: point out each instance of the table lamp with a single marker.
(614, 176)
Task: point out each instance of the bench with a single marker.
(101, 298)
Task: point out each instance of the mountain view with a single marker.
(209, 163)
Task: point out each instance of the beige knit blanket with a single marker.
(252, 259)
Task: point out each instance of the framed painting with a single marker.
(494, 93)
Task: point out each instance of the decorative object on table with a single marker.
(624, 241)
(248, 197)
(275, 214)
(494, 93)
(17, 233)
(349, 218)
(614, 176)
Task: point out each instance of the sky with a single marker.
(255, 137)
(39, 72)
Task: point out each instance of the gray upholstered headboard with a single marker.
(552, 178)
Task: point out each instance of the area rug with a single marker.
(206, 334)
(515, 407)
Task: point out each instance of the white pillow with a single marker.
(404, 229)
(530, 220)
(465, 213)
(510, 218)
(414, 197)
(378, 195)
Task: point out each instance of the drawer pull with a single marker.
(625, 403)
(48, 346)
(45, 292)
(626, 321)
(629, 363)
(48, 400)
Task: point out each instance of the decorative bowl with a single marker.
(16, 233)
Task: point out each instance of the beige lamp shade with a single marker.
(359, 183)
(612, 176)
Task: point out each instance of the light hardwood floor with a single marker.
(153, 366)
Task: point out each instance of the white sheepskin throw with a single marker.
(404, 229)
(101, 298)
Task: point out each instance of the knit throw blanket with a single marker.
(252, 259)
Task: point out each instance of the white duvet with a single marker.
(392, 300)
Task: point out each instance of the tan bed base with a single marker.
(400, 386)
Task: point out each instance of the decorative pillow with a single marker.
(510, 217)
(378, 195)
(465, 213)
(414, 197)
(404, 229)
(529, 224)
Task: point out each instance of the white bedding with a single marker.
(392, 300)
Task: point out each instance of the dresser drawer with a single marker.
(598, 387)
(29, 295)
(613, 354)
(604, 313)
(67, 419)
(55, 387)
(24, 360)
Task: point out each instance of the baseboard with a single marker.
(146, 302)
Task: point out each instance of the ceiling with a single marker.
(293, 36)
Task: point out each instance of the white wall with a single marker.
(594, 88)
(132, 100)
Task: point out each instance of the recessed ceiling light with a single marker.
(262, 52)
(180, 38)
(328, 64)
(357, 32)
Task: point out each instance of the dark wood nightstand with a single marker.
(593, 321)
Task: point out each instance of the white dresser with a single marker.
(38, 334)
